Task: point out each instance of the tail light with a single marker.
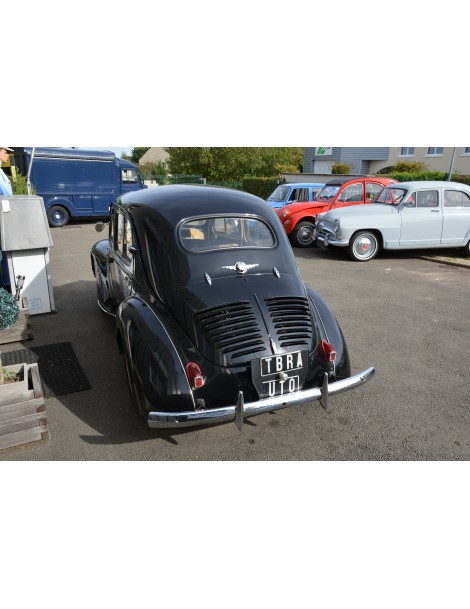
(326, 351)
(194, 374)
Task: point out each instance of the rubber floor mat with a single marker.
(59, 368)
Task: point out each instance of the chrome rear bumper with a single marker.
(241, 410)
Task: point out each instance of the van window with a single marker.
(129, 176)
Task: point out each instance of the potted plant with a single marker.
(13, 380)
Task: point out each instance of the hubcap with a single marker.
(305, 235)
(365, 247)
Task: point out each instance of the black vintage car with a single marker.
(212, 316)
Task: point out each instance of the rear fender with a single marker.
(156, 358)
(333, 332)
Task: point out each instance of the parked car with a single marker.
(212, 315)
(299, 219)
(408, 215)
(285, 194)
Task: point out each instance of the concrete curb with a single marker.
(464, 264)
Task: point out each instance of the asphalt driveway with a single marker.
(404, 315)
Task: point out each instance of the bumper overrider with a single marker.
(238, 412)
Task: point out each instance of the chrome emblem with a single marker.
(241, 267)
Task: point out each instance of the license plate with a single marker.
(286, 362)
(280, 374)
(278, 387)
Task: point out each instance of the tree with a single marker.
(232, 163)
(137, 154)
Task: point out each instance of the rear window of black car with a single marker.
(216, 233)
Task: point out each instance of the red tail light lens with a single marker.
(194, 374)
(326, 351)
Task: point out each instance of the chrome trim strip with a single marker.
(239, 411)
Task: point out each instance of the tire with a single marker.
(466, 250)
(302, 235)
(364, 246)
(58, 216)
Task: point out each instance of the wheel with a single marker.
(363, 246)
(134, 389)
(302, 235)
(57, 216)
(466, 250)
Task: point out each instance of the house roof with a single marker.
(154, 155)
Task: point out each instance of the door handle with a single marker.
(434, 211)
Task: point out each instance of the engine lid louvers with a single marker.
(233, 331)
(291, 320)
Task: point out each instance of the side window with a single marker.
(119, 244)
(373, 190)
(303, 194)
(456, 198)
(427, 198)
(124, 237)
(129, 176)
(352, 193)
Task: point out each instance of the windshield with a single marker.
(280, 194)
(391, 196)
(328, 192)
(203, 234)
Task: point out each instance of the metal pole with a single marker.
(28, 181)
(449, 175)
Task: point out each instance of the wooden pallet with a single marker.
(23, 417)
(21, 330)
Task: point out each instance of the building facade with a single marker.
(371, 160)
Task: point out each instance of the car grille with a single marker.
(232, 330)
(325, 230)
(291, 320)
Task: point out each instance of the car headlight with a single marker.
(336, 225)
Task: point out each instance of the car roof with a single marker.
(431, 184)
(303, 184)
(176, 202)
(341, 181)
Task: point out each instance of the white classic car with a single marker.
(407, 215)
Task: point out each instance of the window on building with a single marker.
(407, 152)
(435, 151)
(466, 150)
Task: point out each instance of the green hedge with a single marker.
(261, 187)
(428, 175)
